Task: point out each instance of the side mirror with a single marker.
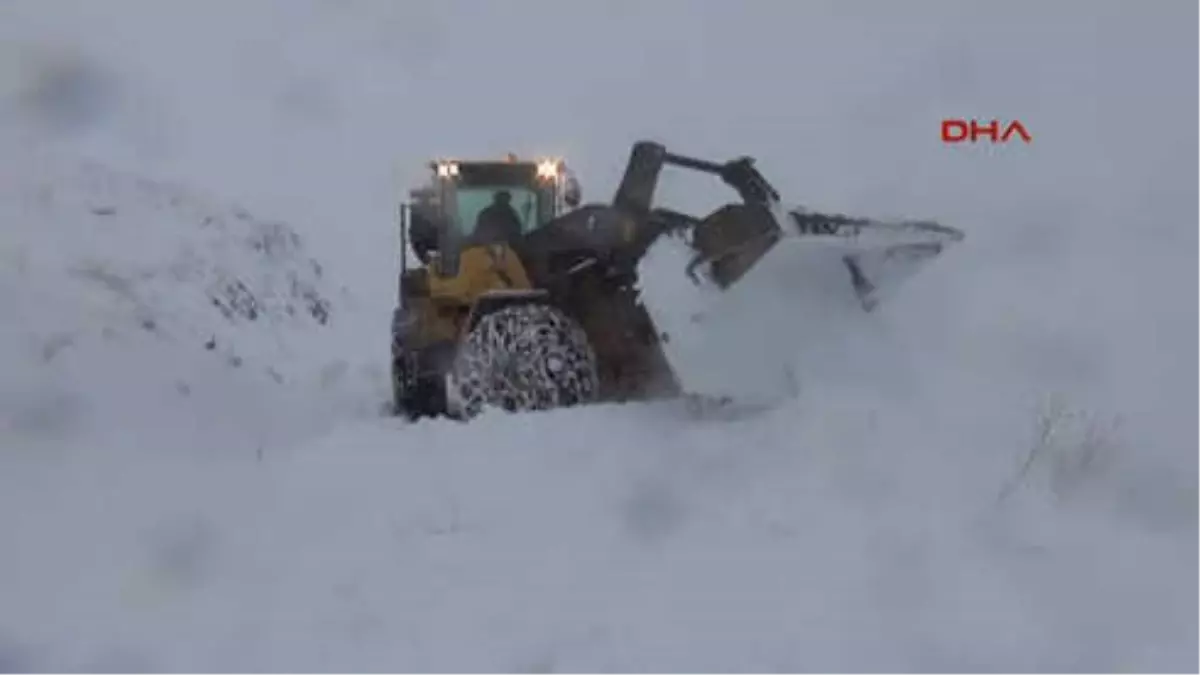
(422, 234)
(572, 193)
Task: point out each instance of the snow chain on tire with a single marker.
(525, 357)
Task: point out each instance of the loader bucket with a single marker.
(731, 240)
(753, 306)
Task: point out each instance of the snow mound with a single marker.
(131, 303)
(135, 254)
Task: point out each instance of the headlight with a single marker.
(547, 168)
(447, 169)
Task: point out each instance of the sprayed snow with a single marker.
(790, 316)
(741, 343)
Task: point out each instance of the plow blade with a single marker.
(757, 300)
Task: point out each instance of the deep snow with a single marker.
(164, 505)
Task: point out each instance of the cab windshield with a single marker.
(472, 200)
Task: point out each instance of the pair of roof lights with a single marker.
(546, 168)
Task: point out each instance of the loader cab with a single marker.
(459, 190)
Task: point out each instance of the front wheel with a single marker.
(523, 358)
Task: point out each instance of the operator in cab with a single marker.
(498, 222)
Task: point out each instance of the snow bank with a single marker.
(122, 294)
(604, 539)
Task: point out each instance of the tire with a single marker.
(524, 358)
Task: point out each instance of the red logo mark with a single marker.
(957, 131)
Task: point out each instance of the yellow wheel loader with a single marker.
(523, 298)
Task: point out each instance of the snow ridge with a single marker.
(154, 255)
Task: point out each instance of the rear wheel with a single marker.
(522, 358)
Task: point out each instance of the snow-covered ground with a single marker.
(197, 262)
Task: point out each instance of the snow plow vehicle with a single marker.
(524, 298)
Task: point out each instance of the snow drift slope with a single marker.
(119, 291)
(668, 546)
(161, 509)
(913, 509)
